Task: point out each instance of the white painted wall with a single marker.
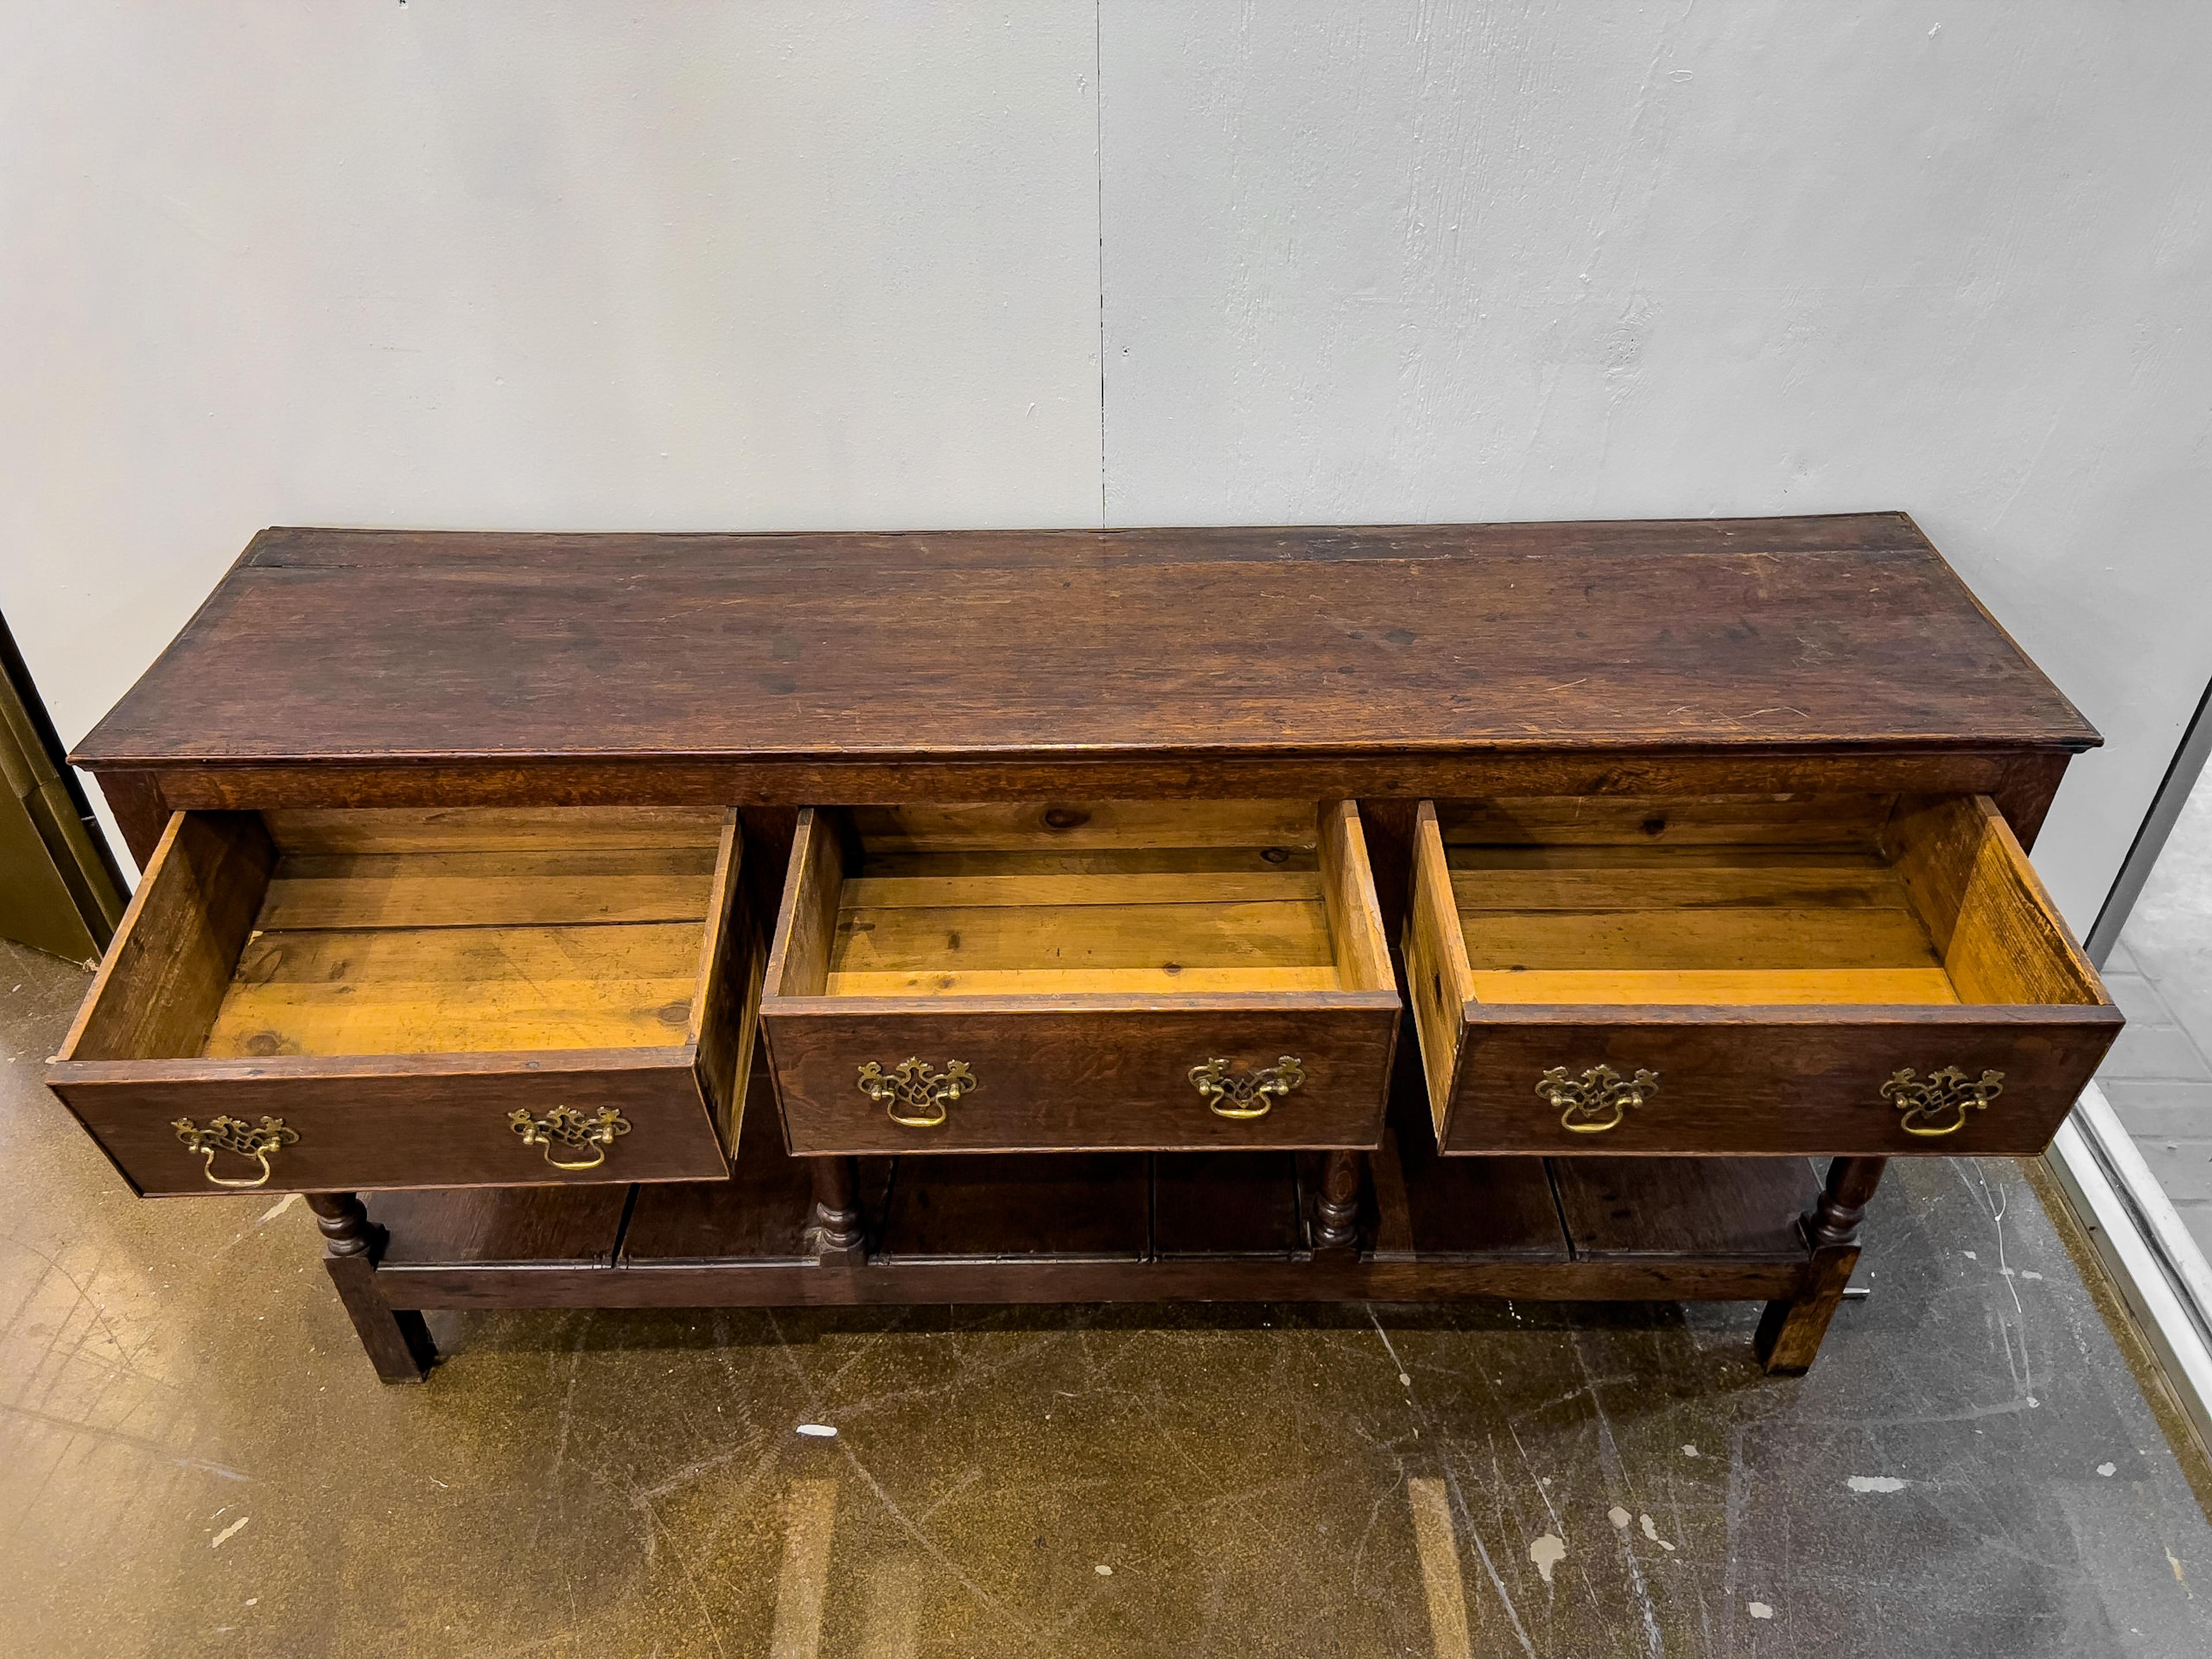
(561, 264)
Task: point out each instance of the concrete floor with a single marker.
(2159, 1075)
(194, 1458)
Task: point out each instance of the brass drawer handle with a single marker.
(922, 1093)
(567, 1126)
(1946, 1093)
(230, 1134)
(1597, 1100)
(1246, 1094)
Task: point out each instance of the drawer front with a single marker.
(1813, 1085)
(450, 1128)
(1048, 1080)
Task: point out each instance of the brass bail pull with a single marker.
(1596, 1101)
(1248, 1094)
(1938, 1106)
(233, 1135)
(564, 1126)
(913, 1096)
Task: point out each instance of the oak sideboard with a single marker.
(1386, 915)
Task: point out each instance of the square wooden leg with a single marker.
(396, 1339)
(1790, 1331)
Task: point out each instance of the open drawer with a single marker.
(1842, 974)
(1107, 975)
(343, 1000)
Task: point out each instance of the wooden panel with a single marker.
(1694, 987)
(1564, 941)
(759, 1215)
(163, 977)
(935, 891)
(481, 829)
(1822, 820)
(887, 869)
(1745, 634)
(403, 1122)
(2002, 937)
(1668, 877)
(1288, 933)
(1774, 1079)
(1225, 1205)
(566, 1226)
(455, 990)
(806, 923)
(1437, 977)
(441, 889)
(1077, 1077)
(929, 828)
(733, 965)
(1361, 946)
(1747, 1207)
(1432, 1208)
(1092, 1206)
(1087, 981)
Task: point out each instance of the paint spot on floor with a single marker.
(1875, 1483)
(1619, 1516)
(819, 1430)
(1547, 1551)
(1970, 1255)
(277, 1208)
(1651, 1532)
(231, 1532)
(2034, 1276)
(1103, 1571)
(2108, 1470)
(1760, 1610)
(1689, 1451)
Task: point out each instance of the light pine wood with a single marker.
(1736, 940)
(1840, 821)
(806, 920)
(405, 1017)
(1486, 879)
(1361, 948)
(490, 828)
(2001, 938)
(448, 890)
(1056, 938)
(1691, 987)
(1436, 970)
(165, 974)
(1166, 887)
(1272, 860)
(1125, 981)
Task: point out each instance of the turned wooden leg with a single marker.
(398, 1340)
(834, 1228)
(1336, 1213)
(1790, 1332)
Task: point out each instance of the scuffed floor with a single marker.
(194, 1458)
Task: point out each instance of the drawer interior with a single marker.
(417, 932)
(1752, 900)
(1121, 898)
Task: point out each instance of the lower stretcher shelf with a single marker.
(1120, 1227)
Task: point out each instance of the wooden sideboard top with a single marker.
(406, 646)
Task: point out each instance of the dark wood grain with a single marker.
(1084, 1206)
(502, 1226)
(1074, 1078)
(1791, 1329)
(417, 645)
(399, 1121)
(1706, 1208)
(397, 1340)
(1225, 1205)
(1805, 1081)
